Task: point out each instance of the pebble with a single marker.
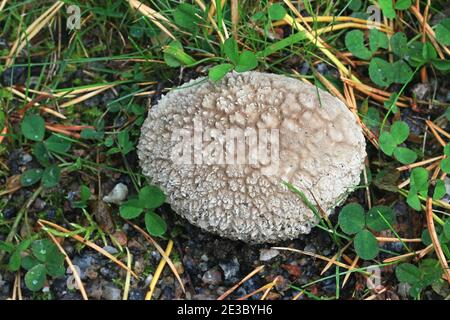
(148, 280)
(203, 296)
(110, 250)
(25, 158)
(403, 290)
(137, 294)
(156, 293)
(111, 292)
(212, 276)
(95, 290)
(108, 273)
(71, 283)
(117, 195)
(204, 257)
(322, 68)
(230, 269)
(268, 254)
(421, 90)
(310, 248)
(13, 75)
(304, 68)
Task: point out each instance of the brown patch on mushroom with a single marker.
(320, 148)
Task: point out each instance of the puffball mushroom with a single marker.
(226, 183)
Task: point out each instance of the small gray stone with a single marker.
(403, 290)
(39, 204)
(117, 194)
(111, 292)
(110, 249)
(204, 257)
(203, 266)
(310, 248)
(230, 269)
(268, 254)
(25, 158)
(212, 276)
(2, 283)
(421, 90)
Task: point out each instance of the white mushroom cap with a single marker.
(319, 148)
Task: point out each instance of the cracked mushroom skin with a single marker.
(319, 146)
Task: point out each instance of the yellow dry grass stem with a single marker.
(202, 6)
(348, 22)
(435, 239)
(126, 289)
(87, 243)
(335, 257)
(2, 4)
(154, 17)
(32, 31)
(234, 18)
(86, 96)
(346, 25)
(419, 164)
(320, 45)
(41, 108)
(352, 266)
(339, 19)
(161, 251)
(75, 273)
(298, 295)
(158, 271)
(212, 11)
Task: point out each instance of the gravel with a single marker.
(268, 254)
(111, 292)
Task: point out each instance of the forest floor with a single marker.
(74, 94)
